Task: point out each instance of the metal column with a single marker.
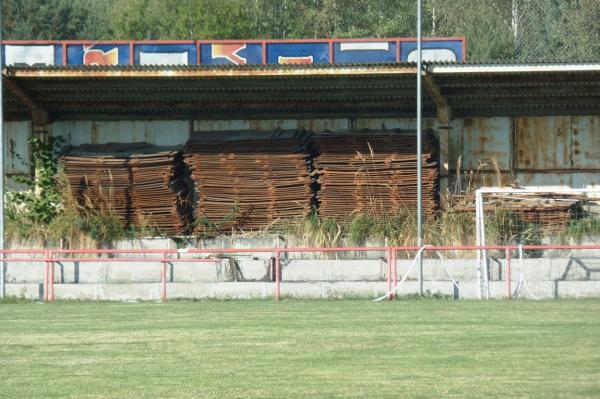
(2, 264)
(419, 150)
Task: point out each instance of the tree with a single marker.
(485, 24)
(577, 35)
(52, 19)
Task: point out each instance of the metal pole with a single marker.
(2, 264)
(419, 155)
(277, 275)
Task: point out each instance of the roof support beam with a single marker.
(39, 116)
(435, 93)
(176, 72)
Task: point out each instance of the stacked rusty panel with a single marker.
(374, 174)
(143, 185)
(248, 184)
(549, 212)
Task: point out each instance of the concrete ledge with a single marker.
(577, 289)
(333, 270)
(24, 290)
(246, 290)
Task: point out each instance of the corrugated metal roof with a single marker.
(467, 89)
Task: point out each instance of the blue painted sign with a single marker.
(438, 50)
(297, 53)
(228, 52)
(231, 53)
(364, 51)
(98, 54)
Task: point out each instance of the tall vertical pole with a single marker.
(419, 155)
(2, 264)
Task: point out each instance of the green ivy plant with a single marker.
(42, 201)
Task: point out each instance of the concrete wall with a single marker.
(243, 278)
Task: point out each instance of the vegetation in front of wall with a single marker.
(41, 202)
(585, 227)
(47, 214)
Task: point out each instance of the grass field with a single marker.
(345, 348)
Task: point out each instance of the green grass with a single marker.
(346, 348)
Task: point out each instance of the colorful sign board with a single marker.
(230, 52)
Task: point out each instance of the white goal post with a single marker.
(483, 286)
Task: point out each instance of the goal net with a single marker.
(524, 216)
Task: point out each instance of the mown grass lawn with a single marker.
(343, 348)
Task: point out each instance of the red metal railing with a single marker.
(51, 256)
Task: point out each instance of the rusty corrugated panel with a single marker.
(16, 147)
(557, 179)
(585, 142)
(161, 133)
(267, 125)
(485, 141)
(543, 143)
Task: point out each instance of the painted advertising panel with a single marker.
(297, 53)
(32, 54)
(98, 54)
(229, 52)
(433, 50)
(165, 54)
(364, 51)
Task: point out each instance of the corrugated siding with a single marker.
(543, 142)
(586, 142)
(102, 132)
(548, 151)
(485, 141)
(16, 147)
(266, 125)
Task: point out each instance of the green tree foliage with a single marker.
(54, 19)
(578, 32)
(485, 24)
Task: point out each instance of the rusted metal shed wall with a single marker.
(266, 125)
(540, 151)
(16, 147)
(101, 132)
(558, 151)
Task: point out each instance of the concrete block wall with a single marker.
(245, 278)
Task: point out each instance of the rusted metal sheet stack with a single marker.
(143, 185)
(373, 174)
(549, 212)
(248, 184)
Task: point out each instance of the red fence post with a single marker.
(508, 282)
(51, 266)
(394, 273)
(46, 276)
(277, 275)
(163, 279)
(389, 273)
